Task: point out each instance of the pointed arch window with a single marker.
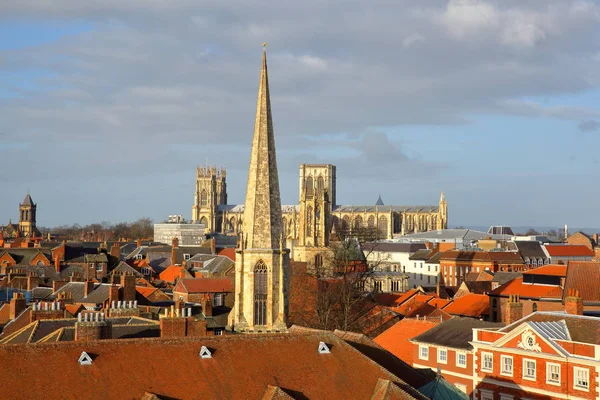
(260, 293)
(203, 199)
(309, 218)
(309, 187)
(320, 185)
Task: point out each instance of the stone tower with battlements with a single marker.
(262, 262)
(211, 192)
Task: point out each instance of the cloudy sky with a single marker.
(106, 107)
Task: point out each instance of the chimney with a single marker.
(173, 325)
(429, 245)
(574, 302)
(138, 243)
(174, 246)
(57, 285)
(182, 273)
(213, 246)
(92, 326)
(88, 287)
(57, 264)
(113, 294)
(17, 305)
(206, 303)
(33, 281)
(115, 250)
(514, 309)
(128, 285)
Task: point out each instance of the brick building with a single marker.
(456, 265)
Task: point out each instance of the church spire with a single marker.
(262, 224)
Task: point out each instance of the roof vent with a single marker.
(205, 352)
(323, 348)
(85, 359)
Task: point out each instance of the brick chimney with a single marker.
(179, 323)
(57, 264)
(115, 250)
(514, 309)
(213, 246)
(88, 287)
(92, 326)
(17, 305)
(113, 293)
(574, 302)
(206, 303)
(33, 281)
(138, 243)
(57, 285)
(128, 285)
(174, 246)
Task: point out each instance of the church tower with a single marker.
(443, 217)
(27, 210)
(262, 263)
(211, 191)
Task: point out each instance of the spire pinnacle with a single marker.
(262, 212)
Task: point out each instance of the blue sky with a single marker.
(107, 107)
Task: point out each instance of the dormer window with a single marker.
(186, 257)
(139, 256)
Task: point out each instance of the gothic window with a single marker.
(203, 198)
(382, 226)
(320, 185)
(357, 222)
(291, 227)
(318, 261)
(309, 216)
(309, 187)
(317, 220)
(284, 226)
(204, 221)
(346, 223)
(232, 224)
(371, 222)
(260, 293)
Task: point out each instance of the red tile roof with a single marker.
(471, 305)
(229, 253)
(205, 285)
(550, 270)
(528, 290)
(396, 339)
(558, 250)
(241, 367)
(585, 277)
(171, 273)
(439, 303)
(405, 296)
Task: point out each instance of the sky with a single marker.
(107, 107)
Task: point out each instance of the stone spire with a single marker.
(262, 224)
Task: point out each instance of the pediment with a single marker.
(528, 338)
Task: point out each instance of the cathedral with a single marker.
(26, 226)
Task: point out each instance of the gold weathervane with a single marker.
(265, 44)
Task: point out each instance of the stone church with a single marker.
(27, 222)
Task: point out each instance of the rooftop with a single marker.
(455, 332)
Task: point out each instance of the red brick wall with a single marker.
(450, 366)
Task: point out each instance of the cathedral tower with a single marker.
(443, 217)
(262, 263)
(211, 191)
(27, 211)
(317, 197)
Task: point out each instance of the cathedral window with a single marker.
(357, 222)
(309, 188)
(382, 227)
(203, 199)
(284, 227)
(371, 222)
(260, 293)
(320, 185)
(309, 214)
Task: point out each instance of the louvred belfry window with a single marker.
(260, 293)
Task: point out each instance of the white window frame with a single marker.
(439, 360)
(421, 348)
(548, 374)
(458, 364)
(524, 372)
(502, 364)
(187, 256)
(587, 372)
(483, 367)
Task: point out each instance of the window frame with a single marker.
(483, 367)
(487, 395)
(548, 380)
(502, 365)
(458, 354)
(582, 388)
(524, 371)
(421, 348)
(440, 351)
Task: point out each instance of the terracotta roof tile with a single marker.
(396, 339)
(584, 276)
(240, 368)
(471, 305)
(528, 290)
(206, 285)
(550, 270)
(574, 250)
(405, 296)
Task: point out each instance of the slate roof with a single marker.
(124, 268)
(218, 265)
(422, 255)
(504, 276)
(530, 249)
(24, 256)
(27, 201)
(77, 289)
(394, 247)
(292, 361)
(456, 332)
(99, 258)
(581, 328)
